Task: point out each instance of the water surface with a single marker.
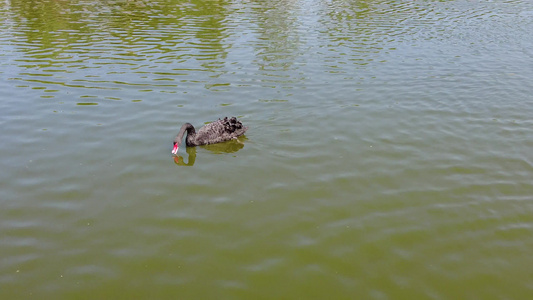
(388, 155)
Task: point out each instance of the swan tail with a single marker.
(234, 126)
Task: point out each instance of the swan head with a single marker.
(176, 147)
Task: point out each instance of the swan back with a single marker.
(218, 131)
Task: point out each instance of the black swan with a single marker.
(216, 132)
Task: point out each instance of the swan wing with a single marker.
(220, 131)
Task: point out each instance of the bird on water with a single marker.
(215, 132)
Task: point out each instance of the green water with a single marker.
(388, 156)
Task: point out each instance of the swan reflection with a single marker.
(227, 147)
(178, 159)
(220, 148)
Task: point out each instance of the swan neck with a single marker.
(187, 127)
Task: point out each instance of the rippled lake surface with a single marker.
(389, 154)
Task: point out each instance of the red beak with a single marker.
(175, 150)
